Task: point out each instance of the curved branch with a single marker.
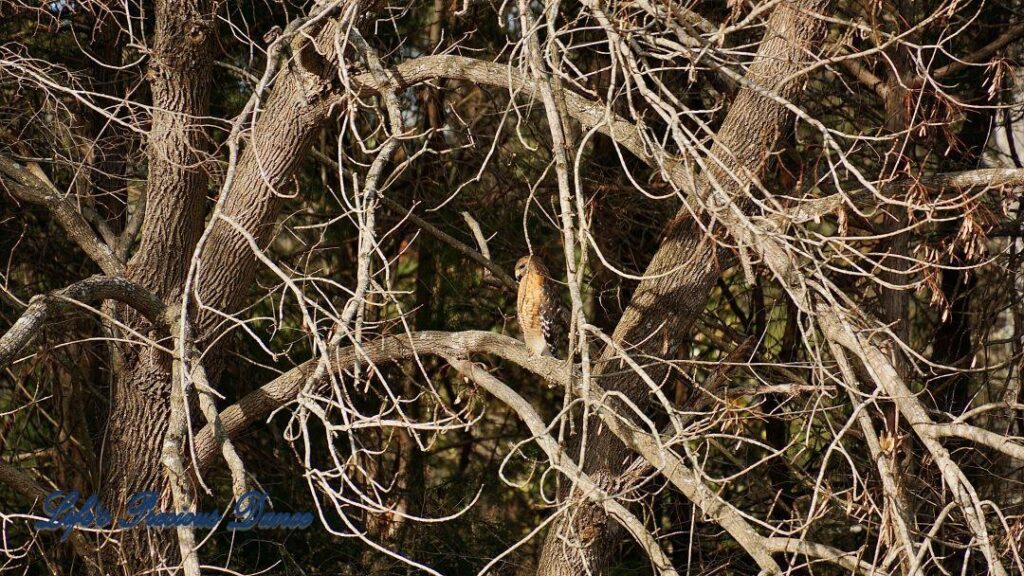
(977, 435)
(962, 180)
(561, 461)
(29, 188)
(592, 113)
(260, 403)
(848, 560)
(93, 289)
(458, 346)
(1011, 34)
(587, 112)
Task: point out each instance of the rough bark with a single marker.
(684, 269)
(174, 223)
(45, 307)
(179, 73)
(895, 302)
(280, 139)
(291, 116)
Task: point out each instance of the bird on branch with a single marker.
(538, 307)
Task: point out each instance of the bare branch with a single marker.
(95, 289)
(26, 186)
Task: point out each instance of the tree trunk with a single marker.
(179, 71)
(177, 190)
(682, 273)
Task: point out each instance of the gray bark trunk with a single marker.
(179, 70)
(177, 189)
(683, 272)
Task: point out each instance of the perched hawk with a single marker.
(537, 306)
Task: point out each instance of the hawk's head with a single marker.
(528, 264)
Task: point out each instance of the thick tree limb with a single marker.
(280, 138)
(20, 481)
(94, 289)
(848, 560)
(258, 405)
(179, 65)
(997, 442)
(27, 187)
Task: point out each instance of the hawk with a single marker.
(537, 305)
